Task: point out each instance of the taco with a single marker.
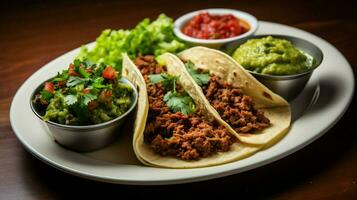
(174, 128)
(243, 105)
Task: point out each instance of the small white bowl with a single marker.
(214, 43)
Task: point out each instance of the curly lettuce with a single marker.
(153, 38)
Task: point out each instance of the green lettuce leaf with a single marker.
(146, 38)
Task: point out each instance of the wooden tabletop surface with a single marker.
(32, 33)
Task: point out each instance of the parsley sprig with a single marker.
(174, 100)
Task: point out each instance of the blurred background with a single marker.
(32, 33)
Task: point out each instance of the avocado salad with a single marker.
(83, 94)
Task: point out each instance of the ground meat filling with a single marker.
(188, 137)
(234, 107)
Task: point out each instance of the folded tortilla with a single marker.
(275, 108)
(143, 151)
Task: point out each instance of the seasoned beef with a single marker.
(234, 107)
(147, 65)
(188, 137)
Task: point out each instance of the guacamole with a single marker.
(83, 94)
(269, 55)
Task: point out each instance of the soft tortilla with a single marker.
(275, 107)
(143, 151)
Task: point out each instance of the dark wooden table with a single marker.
(34, 32)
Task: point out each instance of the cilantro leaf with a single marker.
(74, 80)
(180, 103)
(98, 70)
(201, 78)
(87, 63)
(88, 98)
(70, 99)
(63, 76)
(156, 78)
(98, 83)
(79, 67)
(167, 80)
(76, 63)
(83, 72)
(46, 95)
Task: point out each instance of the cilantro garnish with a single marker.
(175, 101)
(179, 103)
(46, 95)
(63, 76)
(79, 67)
(98, 83)
(70, 99)
(201, 78)
(75, 80)
(88, 98)
(167, 80)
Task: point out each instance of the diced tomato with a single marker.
(50, 87)
(206, 26)
(109, 73)
(71, 70)
(86, 90)
(108, 93)
(61, 83)
(89, 70)
(92, 105)
(106, 96)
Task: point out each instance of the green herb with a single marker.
(46, 95)
(179, 103)
(75, 80)
(83, 72)
(76, 63)
(201, 78)
(98, 70)
(87, 63)
(98, 83)
(167, 80)
(63, 76)
(70, 99)
(79, 68)
(88, 98)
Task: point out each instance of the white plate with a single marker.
(317, 109)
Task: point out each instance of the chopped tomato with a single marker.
(89, 70)
(72, 71)
(50, 87)
(206, 26)
(106, 96)
(86, 90)
(108, 93)
(109, 73)
(92, 105)
(61, 83)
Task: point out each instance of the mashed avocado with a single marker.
(269, 55)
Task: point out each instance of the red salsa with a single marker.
(206, 26)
